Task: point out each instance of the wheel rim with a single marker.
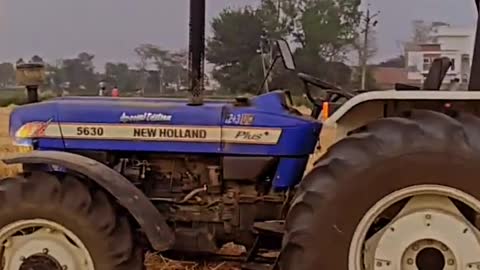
(39, 244)
(431, 249)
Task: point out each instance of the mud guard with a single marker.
(152, 222)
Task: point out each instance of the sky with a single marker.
(111, 29)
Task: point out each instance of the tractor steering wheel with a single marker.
(334, 93)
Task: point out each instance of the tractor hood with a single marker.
(103, 123)
(170, 111)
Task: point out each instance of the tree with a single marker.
(119, 74)
(7, 74)
(37, 59)
(176, 74)
(234, 48)
(324, 30)
(328, 27)
(79, 72)
(276, 18)
(171, 66)
(55, 76)
(372, 48)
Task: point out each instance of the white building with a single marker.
(454, 42)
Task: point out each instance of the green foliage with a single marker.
(275, 23)
(329, 26)
(120, 75)
(172, 72)
(324, 31)
(234, 50)
(18, 96)
(79, 72)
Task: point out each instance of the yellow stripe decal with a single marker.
(166, 133)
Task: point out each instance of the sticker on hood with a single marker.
(145, 117)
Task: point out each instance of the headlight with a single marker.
(31, 130)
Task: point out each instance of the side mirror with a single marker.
(286, 54)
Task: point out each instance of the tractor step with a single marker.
(269, 238)
(269, 227)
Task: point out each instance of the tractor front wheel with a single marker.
(399, 193)
(57, 223)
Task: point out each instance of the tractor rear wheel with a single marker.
(398, 193)
(56, 223)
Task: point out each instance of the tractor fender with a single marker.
(395, 95)
(152, 222)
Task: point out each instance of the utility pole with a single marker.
(263, 53)
(370, 22)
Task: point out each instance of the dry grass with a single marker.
(6, 147)
(158, 262)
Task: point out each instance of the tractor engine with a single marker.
(208, 200)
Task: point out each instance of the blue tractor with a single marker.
(394, 187)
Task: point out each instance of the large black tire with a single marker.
(88, 214)
(423, 147)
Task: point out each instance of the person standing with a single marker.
(115, 92)
(101, 91)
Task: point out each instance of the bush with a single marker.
(18, 96)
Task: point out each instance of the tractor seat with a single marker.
(435, 77)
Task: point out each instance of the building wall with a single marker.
(455, 43)
(455, 38)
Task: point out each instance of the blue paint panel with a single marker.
(299, 135)
(298, 139)
(289, 173)
(208, 115)
(32, 113)
(52, 144)
(167, 147)
(84, 111)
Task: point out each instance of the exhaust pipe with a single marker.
(197, 51)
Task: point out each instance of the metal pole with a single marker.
(369, 23)
(197, 51)
(263, 54)
(365, 51)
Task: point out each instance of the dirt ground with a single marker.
(153, 261)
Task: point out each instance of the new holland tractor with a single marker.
(396, 187)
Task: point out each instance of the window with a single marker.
(426, 63)
(453, 64)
